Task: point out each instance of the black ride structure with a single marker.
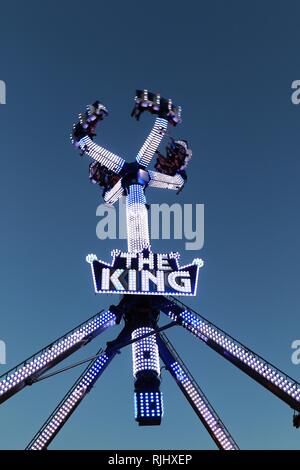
(149, 284)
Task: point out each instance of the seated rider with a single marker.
(99, 174)
(178, 156)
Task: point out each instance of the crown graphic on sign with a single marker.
(144, 273)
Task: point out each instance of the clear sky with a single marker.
(230, 65)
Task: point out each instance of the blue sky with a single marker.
(230, 65)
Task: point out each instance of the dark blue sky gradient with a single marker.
(230, 65)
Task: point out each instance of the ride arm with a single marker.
(82, 137)
(152, 142)
(159, 180)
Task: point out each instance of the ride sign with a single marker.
(144, 273)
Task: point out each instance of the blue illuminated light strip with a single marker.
(203, 407)
(42, 362)
(137, 219)
(72, 400)
(207, 332)
(148, 405)
(159, 180)
(105, 157)
(152, 142)
(145, 354)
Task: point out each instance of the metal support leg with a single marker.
(75, 395)
(269, 376)
(28, 371)
(70, 402)
(195, 395)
